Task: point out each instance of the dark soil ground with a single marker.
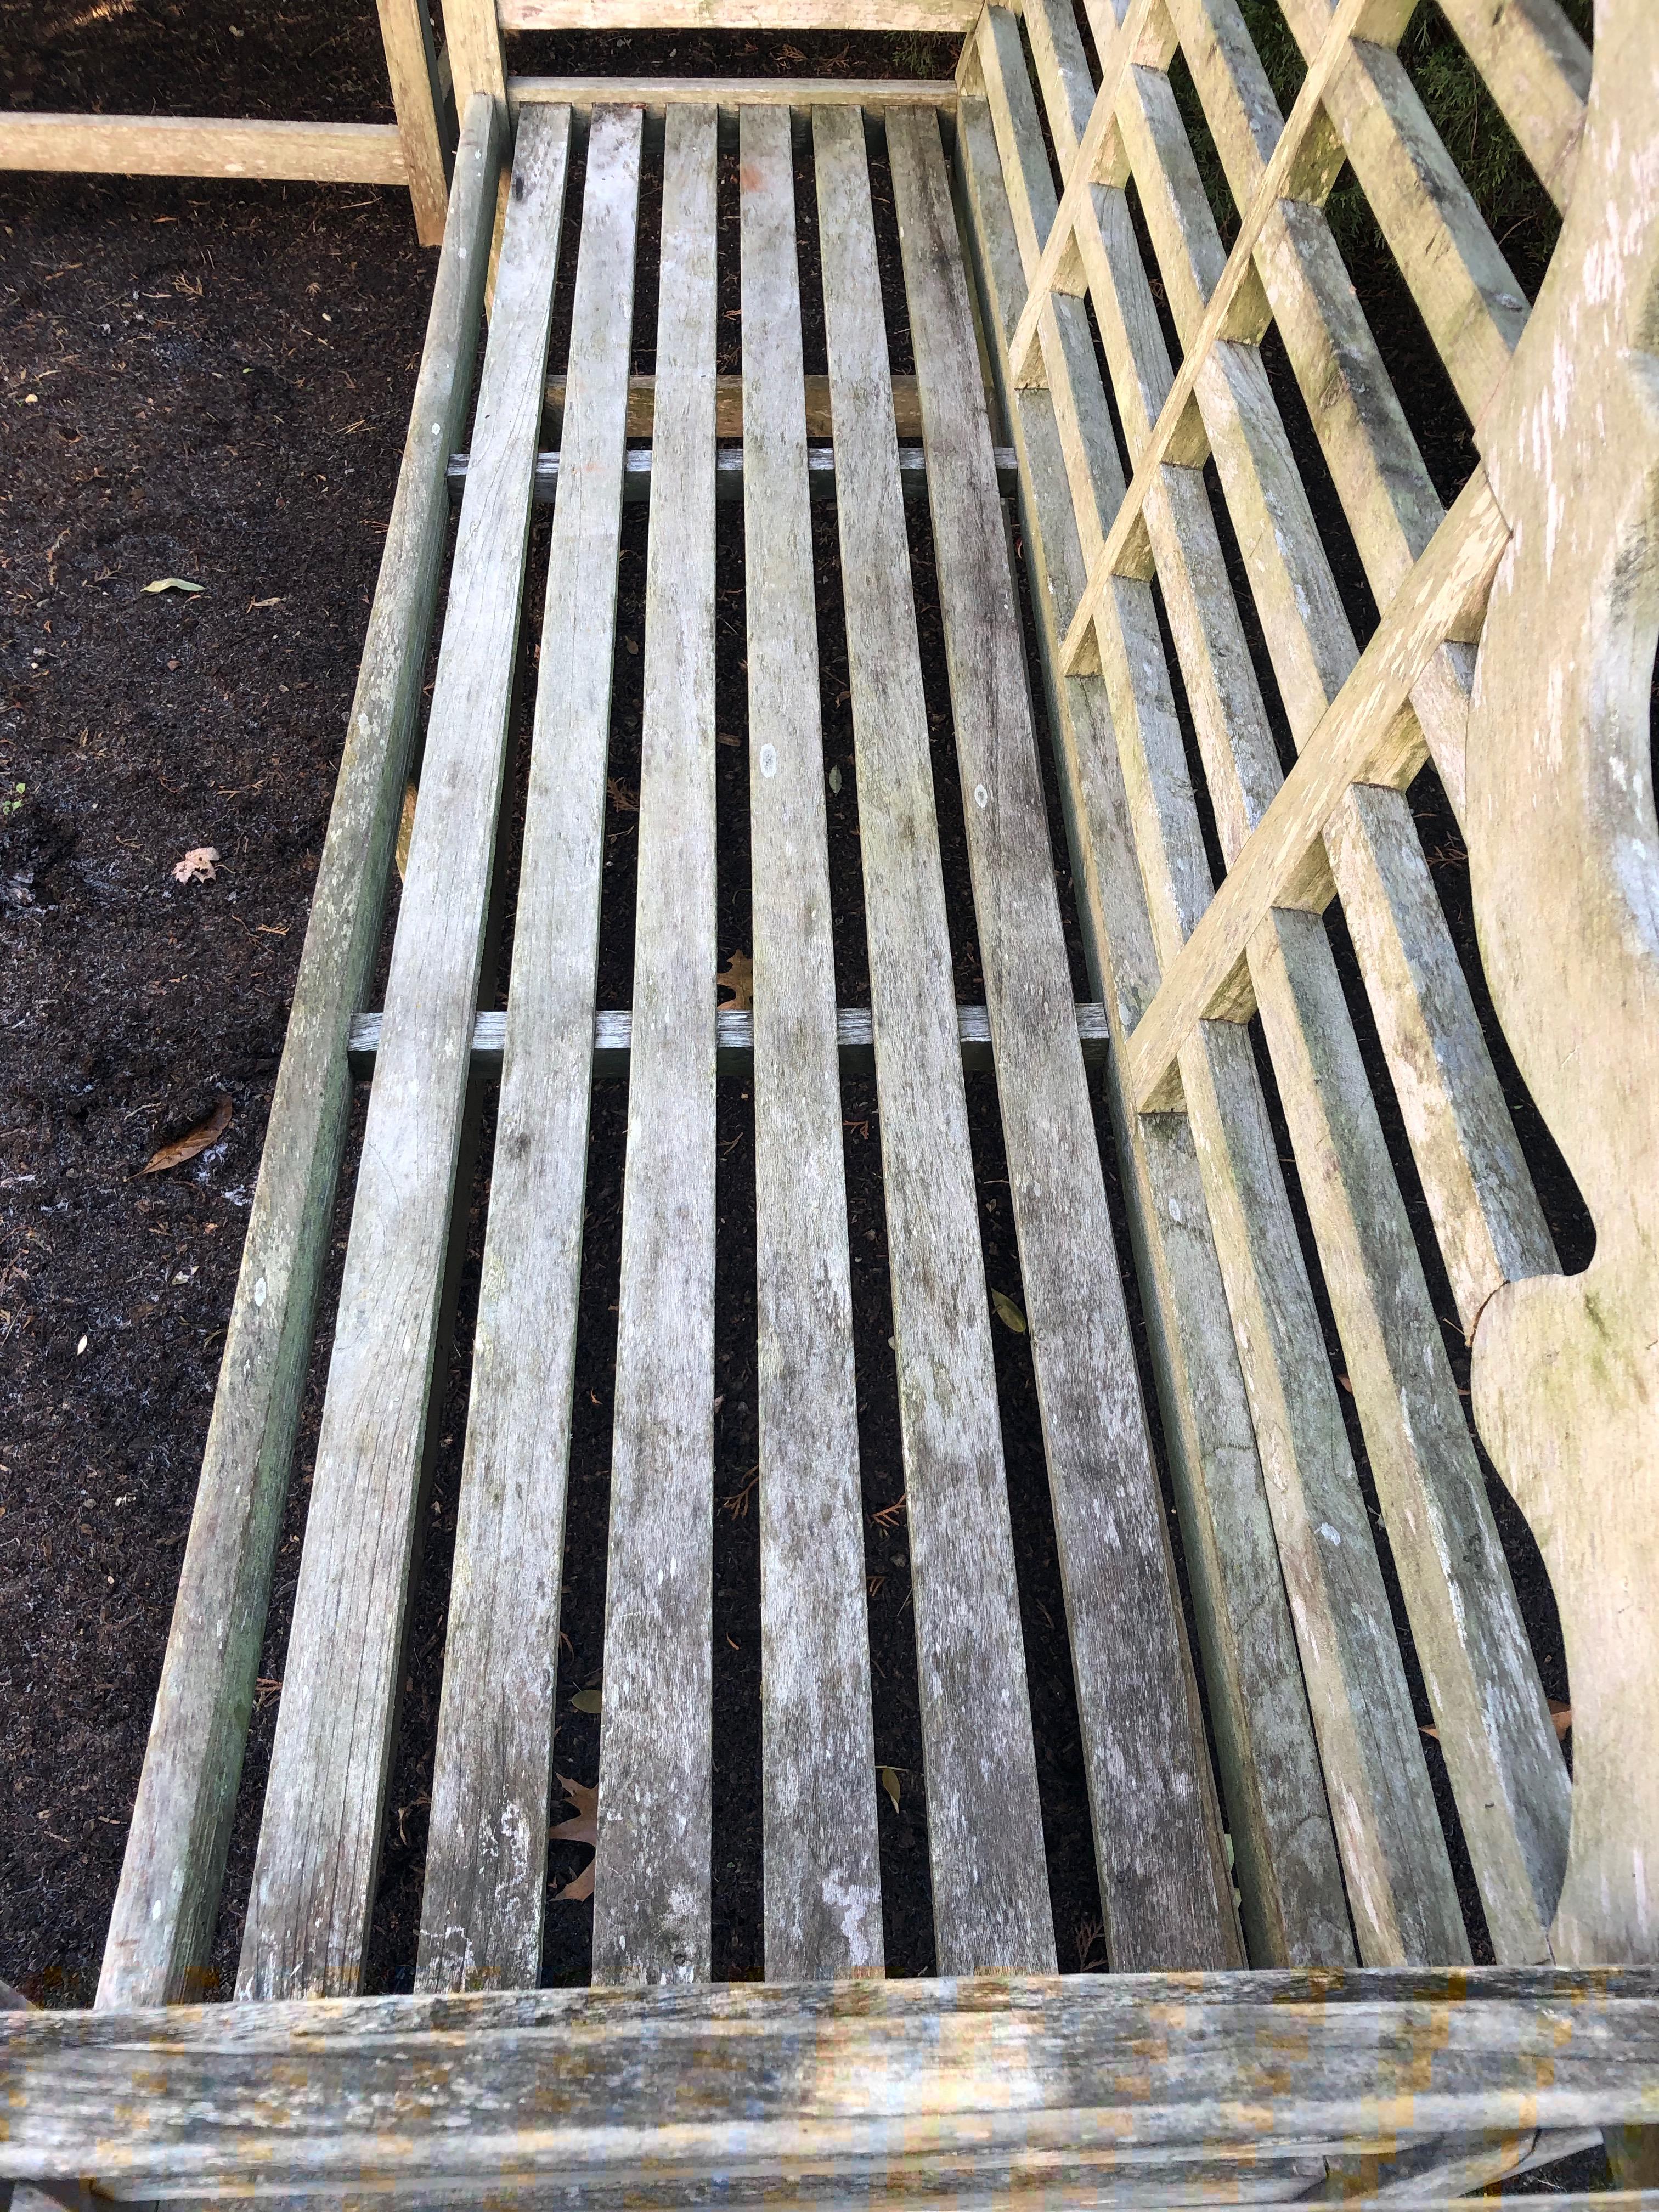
(210, 381)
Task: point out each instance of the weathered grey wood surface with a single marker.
(487, 1847)
(734, 1039)
(984, 1834)
(770, 2082)
(307, 1914)
(729, 472)
(1292, 1902)
(1399, 1880)
(1165, 1893)
(161, 1926)
(1564, 859)
(651, 1912)
(821, 1866)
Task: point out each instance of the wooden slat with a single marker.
(1487, 1217)
(314, 1878)
(162, 1926)
(1400, 1884)
(728, 405)
(412, 67)
(1280, 863)
(656, 95)
(1285, 1861)
(822, 1880)
(1038, 2084)
(651, 1915)
(1166, 1899)
(1465, 290)
(1537, 67)
(734, 1040)
(1505, 1768)
(942, 17)
(191, 146)
(728, 473)
(486, 1861)
(985, 1841)
(478, 57)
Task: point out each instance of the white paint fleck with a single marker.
(768, 760)
(260, 1291)
(982, 797)
(1331, 1535)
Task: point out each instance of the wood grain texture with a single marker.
(411, 65)
(1508, 1775)
(1398, 1879)
(650, 1912)
(1165, 1894)
(942, 17)
(657, 94)
(734, 1039)
(478, 56)
(1537, 69)
(1465, 290)
(1286, 1869)
(822, 1871)
(985, 1843)
(728, 402)
(314, 1878)
(481, 1922)
(161, 1926)
(200, 145)
(1563, 858)
(876, 2080)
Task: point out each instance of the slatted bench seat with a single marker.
(1290, 2010)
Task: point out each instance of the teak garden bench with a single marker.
(1290, 2010)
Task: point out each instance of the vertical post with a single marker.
(478, 56)
(424, 121)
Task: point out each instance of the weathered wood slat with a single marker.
(161, 1926)
(314, 1878)
(204, 146)
(655, 95)
(822, 1868)
(1507, 1772)
(729, 473)
(1165, 1895)
(1537, 67)
(990, 1890)
(487, 1849)
(734, 1040)
(771, 2082)
(728, 397)
(1399, 1882)
(1290, 1886)
(941, 16)
(650, 1914)
(411, 64)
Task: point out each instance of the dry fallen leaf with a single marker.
(1008, 1312)
(196, 867)
(739, 979)
(890, 1782)
(583, 1829)
(187, 1148)
(174, 584)
(405, 829)
(1562, 1715)
(588, 1701)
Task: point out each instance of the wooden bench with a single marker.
(1290, 2010)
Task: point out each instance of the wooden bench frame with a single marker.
(1514, 649)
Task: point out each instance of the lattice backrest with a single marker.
(1215, 824)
